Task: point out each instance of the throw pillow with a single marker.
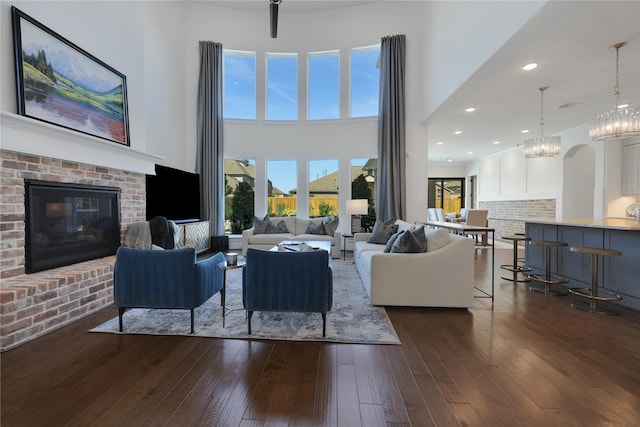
(403, 225)
(271, 228)
(382, 231)
(330, 225)
(421, 238)
(315, 228)
(406, 243)
(261, 226)
(437, 239)
(391, 240)
(280, 228)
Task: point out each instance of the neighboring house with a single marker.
(237, 171)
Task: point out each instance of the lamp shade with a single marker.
(357, 206)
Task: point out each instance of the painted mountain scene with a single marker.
(63, 86)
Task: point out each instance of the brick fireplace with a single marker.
(34, 304)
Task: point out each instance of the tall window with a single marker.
(282, 181)
(323, 85)
(365, 80)
(446, 193)
(363, 186)
(239, 185)
(239, 70)
(323, 188)
(282, 86)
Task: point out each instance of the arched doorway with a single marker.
(579, 180)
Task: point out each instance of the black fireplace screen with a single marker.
(69, 223)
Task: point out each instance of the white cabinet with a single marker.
(631, 170)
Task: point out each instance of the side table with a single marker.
(224, 267)
(344, 245)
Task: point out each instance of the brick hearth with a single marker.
(34, 304)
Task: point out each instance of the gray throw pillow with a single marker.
(391, 240)
(421, 237)
(280, 228)
(382, 231)
(330, 225)
(261, 226)
(315, 228)
(406, 243)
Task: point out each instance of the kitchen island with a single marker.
(617, 274)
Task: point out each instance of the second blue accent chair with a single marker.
(288, 281)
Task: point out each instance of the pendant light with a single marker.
(623, 121)
(541, 145)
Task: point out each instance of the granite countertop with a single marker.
(612, 223)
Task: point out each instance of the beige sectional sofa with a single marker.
(442, 277)
(297, 228)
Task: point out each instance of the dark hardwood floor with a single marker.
(528, 361)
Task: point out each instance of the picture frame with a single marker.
(62, 84)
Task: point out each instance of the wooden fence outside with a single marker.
(288, 206)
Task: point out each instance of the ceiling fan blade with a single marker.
(273, 13)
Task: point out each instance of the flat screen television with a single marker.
(173, 194)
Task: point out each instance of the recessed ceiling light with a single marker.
(496, 142)
(470, 109)
(449, 160)
(458, 132)
(439, 142)
(469, 152)
(530, 66)
(524, 131)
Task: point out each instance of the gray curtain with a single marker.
(209, 160)
(390, 180)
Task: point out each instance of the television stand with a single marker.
(194, 234)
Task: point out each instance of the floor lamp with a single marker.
(355, 208)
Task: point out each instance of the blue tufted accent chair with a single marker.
(288, 281)
(169, 279)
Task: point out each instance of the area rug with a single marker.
(351, 320)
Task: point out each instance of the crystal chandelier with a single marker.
(541, 145)
(623, 121)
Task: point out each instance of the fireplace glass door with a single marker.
(69, 223)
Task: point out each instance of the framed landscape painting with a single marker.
(61, 84)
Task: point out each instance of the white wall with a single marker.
(447, 171)
(579, 178)
(164, 83)
(510, 176)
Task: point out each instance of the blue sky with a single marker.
(323, 84)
